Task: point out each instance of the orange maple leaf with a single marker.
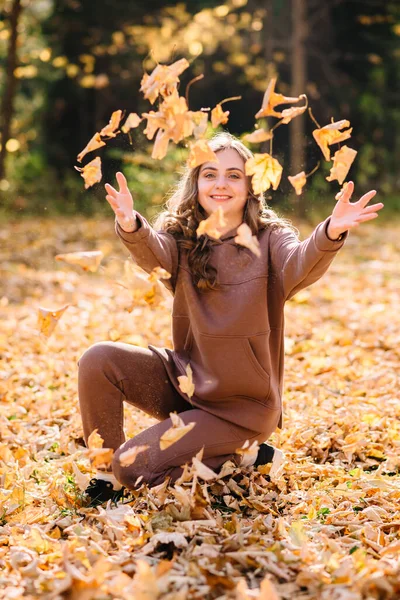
(161, 143)
(246, 238)
(298, 181)
(342, 161)
(162, 80)
(89, 261)
(218, 116)
(110, 129)
(48, 319)
(128, 457)
(93, 144)
(266, 171)
(176, 432)
(257, 136)
(200, 152)
(95, 440)
(91, 172)
(173, 121)
(331, 134)
(200, 120)
(290, 113)
(131, 122)
(212, 225)
(272, 99)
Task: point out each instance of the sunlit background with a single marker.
(66, 65)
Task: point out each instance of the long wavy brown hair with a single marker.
(183, 214)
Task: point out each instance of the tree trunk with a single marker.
(299, 80)
(7, 105)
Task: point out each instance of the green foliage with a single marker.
(77, 66)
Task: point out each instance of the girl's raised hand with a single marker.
(122, 203)
(347, 215)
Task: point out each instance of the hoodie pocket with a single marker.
(229, 366)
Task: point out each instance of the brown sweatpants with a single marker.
(111, 373)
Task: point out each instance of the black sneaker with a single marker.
(101, 491)
(269, 454)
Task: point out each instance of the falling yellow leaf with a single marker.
(48, 319)
(213, 225)
(246, 450)
(144, 288)
(266, 171)
(159, 273)
(131, 122)
(128, 457)
(162, 80)
(298, 182)
(91, 172)
(110, 130)
(200, 120)
(93, 144)
(89, 261)
(342, 161)
(247, 239)
(176, 432)
(186, 384)
(218, 116)
(101, 457)
(95, 440)
(173, 121)
(290, 113)
(331, 134)
(272, 99)
(257, 136)
(160, 147)
(200, 152)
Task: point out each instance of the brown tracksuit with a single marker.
(232, 337)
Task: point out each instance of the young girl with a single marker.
(227, 322)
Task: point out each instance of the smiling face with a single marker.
(224, 183)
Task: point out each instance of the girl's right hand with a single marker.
(122, 204)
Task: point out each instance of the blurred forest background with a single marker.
(66, 65)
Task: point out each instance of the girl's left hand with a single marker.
(347, 215)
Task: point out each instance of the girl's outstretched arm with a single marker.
(299, 264)
(148, 248)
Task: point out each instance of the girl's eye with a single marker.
(232, 175)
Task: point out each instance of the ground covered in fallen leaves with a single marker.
(327, 528)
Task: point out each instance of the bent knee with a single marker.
(95, 356)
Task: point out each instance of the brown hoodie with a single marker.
(233, 336)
